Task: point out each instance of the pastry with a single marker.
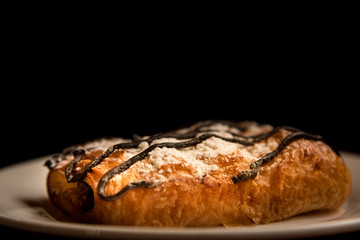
(213, 173)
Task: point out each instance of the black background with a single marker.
(55, 107)
(61, 88)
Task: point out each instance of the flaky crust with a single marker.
(306, 175)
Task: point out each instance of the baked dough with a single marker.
(209, 174)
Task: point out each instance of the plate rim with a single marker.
(113, 231)
(90, 230)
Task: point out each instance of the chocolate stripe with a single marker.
(196, 136)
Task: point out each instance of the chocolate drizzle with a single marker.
(195, 136)
(254, 167)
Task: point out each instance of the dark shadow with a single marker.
(46, 210)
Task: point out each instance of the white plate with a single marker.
(24, 205)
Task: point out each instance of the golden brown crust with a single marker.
(306, 175)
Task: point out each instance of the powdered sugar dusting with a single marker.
(201, 158)
(196, 161)
(103, 143)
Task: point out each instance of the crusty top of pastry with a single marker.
(224, 151)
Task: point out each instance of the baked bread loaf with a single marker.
(209, 174)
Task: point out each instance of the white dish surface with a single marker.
(24, 205)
